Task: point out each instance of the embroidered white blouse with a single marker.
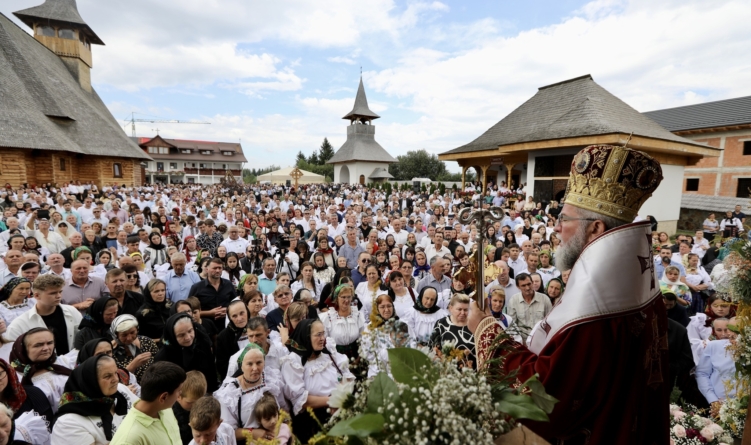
(344, 330)
(421, 325)
(318, 377)
(238, 404)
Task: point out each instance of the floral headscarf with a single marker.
(20, 361)
(7, 290)
(14, 394)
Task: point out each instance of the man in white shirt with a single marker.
(515, 261)
(11, 223)
(400, 236)
(139, 222)
(97, 216)
(428, 240)
(86, 210)
(234, 243)
(437, 248)
(334, 227)
(46, 238)
(56, 262)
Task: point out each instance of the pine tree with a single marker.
(326, 152)
(313, 159)
(300, 157)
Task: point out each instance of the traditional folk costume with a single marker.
(603, 349)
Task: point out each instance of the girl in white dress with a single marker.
(344, 323)
(367, 290)
(310, 373)
(423, 315)
(308, 281)
(404, 297)
(240, 393)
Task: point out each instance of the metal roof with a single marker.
(721, 113)
(216, 148)
(361, 109)
(57, 12)
(43, 107)
(572, 108)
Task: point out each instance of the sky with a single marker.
(279, 76)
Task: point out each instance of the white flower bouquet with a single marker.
(431, 400)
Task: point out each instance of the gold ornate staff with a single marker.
(482, 218)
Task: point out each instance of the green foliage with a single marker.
(313, 159)
(535, 406)
(417, 164)
(362, 425)
(382, 392)
(326, 170)
(441, 188)
(454, 187)
(387, 189)
(411, 367)
(326, 151)
(300, 157)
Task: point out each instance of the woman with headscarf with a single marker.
(104, 261)
(15, 299)
(423, 315)
(93, 405)
(188, 348)
(328, 253)
(34, 359)
(133, 353)
(554, 289)
(154, 312)
(232, 338)
(367, 290)
(96, 322)
(385, 331)
(422, 268)
(155, 254)
(22, 398)
(344, 323)
(190, 248)
(240, 393)
(32, 243)
(101, 346)
(310, 373)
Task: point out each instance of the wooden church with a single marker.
(54, 128)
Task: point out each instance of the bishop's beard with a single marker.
(567, 253)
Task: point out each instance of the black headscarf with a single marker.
(84, 397)
(301, 343)
(238, 331)
(88, 349)
(6, 290)
(152, 315)
(20, 361)
(422, 309)
(94, 317)
(198, 356)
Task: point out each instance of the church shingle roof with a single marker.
(573, 108)
(43, 107)
(57, 12)
(721, 113)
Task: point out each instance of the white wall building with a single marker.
(361, 160)
(191, 162)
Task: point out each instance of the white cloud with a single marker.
(340, 59)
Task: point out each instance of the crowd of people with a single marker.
(214, 314)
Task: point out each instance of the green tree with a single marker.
(417, 164)
(326, 152)
(324, 170)
(313, 158)
(300, 156)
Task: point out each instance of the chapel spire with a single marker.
(361, 112)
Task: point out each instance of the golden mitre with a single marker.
(612, 180)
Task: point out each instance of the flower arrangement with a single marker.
(689, 428)
(431, 400)
(733, 416)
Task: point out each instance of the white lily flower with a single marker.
(340, 394)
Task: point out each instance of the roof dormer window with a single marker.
(64, 33)
(184, 151)
(205, 152)
(227, 153)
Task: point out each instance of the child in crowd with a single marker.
(267, 413)
(193, 389)
(206, 424)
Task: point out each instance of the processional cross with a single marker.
(482, 219)
(296, 174)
